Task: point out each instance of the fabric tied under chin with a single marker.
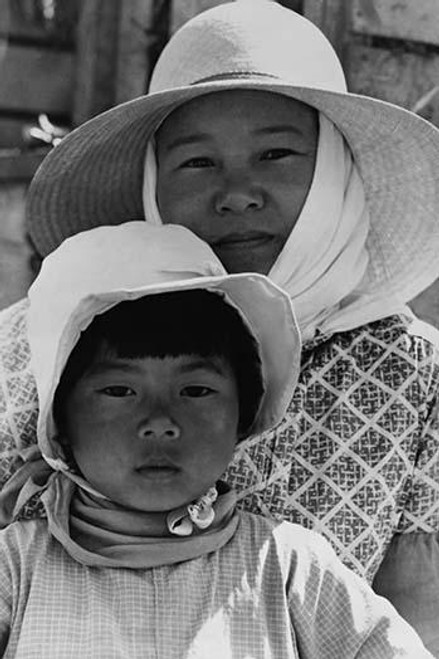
(29, 479)
(96, 531)
(199, 514)
(99, 532)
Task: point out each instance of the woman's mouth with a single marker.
(251, 239)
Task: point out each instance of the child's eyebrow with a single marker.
(101, 367)
(128, 366)
(207, 364)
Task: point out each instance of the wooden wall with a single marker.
(15, 273)
(37, 68)
(116, 46)
(105, 53)
(389, 48)
(37, 64)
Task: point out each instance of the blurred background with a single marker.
(63, 61)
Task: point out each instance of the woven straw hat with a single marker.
(94, 270)
(95, 174)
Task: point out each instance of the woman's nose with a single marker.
(238, 195)
(158, 426)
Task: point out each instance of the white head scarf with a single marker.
(323, 264)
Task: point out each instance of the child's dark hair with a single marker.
(191, 322)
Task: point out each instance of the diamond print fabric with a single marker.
(355, 458)
(18, 395)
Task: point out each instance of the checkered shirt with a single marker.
(274, 591)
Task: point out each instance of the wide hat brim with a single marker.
(95, 175)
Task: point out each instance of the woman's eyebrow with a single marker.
(279, 128)
(195, 138)
(183, 140)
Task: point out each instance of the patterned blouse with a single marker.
(356, 457)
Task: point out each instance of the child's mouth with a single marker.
(158, 472)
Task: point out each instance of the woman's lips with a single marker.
(244, 239)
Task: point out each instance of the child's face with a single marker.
(151, 433)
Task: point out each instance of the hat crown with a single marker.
(249, 39)
(126, 256)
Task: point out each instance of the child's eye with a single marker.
(118, 391)
(197, 163)
(196, 391)
(277, 154)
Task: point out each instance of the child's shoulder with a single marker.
(292, 549)
(292, 541)
(24, 540)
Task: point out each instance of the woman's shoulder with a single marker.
(391, 364)
(18, 393)
(396, 343)
(13, 321)
(405, 332)
(424, 333)
(404, 328)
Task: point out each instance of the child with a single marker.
(151, 364)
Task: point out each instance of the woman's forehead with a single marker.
(250, 107)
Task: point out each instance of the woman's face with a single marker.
(235, 167)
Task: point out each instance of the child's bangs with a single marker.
(167, 325)
(191, 322)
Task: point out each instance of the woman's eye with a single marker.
(117, 391)
(196, 391)
(277, 154)
(197, 163)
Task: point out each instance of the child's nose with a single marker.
(159, 426)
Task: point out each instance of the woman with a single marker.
(254, 144)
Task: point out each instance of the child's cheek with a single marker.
(215, 420)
